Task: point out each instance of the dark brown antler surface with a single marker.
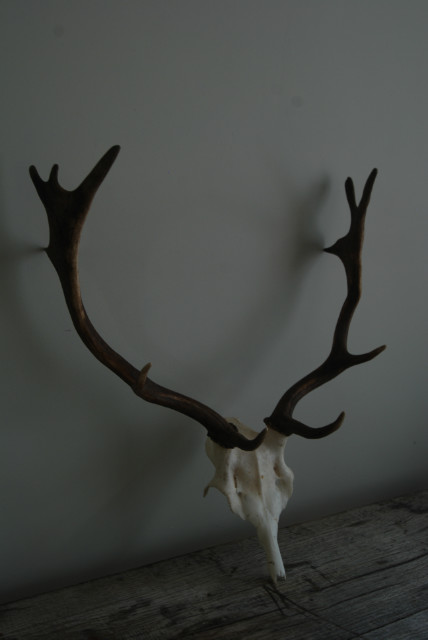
(66, 211)
(348, 249)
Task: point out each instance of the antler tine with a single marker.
(348, 249)
(67, 211)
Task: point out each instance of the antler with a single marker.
(348, 249)
(67, 211)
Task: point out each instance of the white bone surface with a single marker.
(257, 485)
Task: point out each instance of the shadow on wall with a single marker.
(254, 338)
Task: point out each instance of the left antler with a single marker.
(348, 249)
(67, 211)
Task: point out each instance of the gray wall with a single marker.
(239, 121)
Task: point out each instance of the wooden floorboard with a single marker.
(358, 574)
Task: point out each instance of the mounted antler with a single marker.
(348, 249)
(66, 211)
(250, 468)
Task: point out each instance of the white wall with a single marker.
(239, 121)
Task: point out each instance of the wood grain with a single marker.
(358, 574)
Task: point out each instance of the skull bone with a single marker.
(257, 485)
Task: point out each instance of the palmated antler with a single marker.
(66, 211)
(348, 249)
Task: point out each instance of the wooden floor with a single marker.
(359, 574)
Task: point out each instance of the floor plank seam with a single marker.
(316, 616)
(405, 617)
(378, 570)
(354, 598)
(219, 625)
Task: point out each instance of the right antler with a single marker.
(348, 249)
(66, 211)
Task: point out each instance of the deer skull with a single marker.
(250, 469)
(257, 485)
